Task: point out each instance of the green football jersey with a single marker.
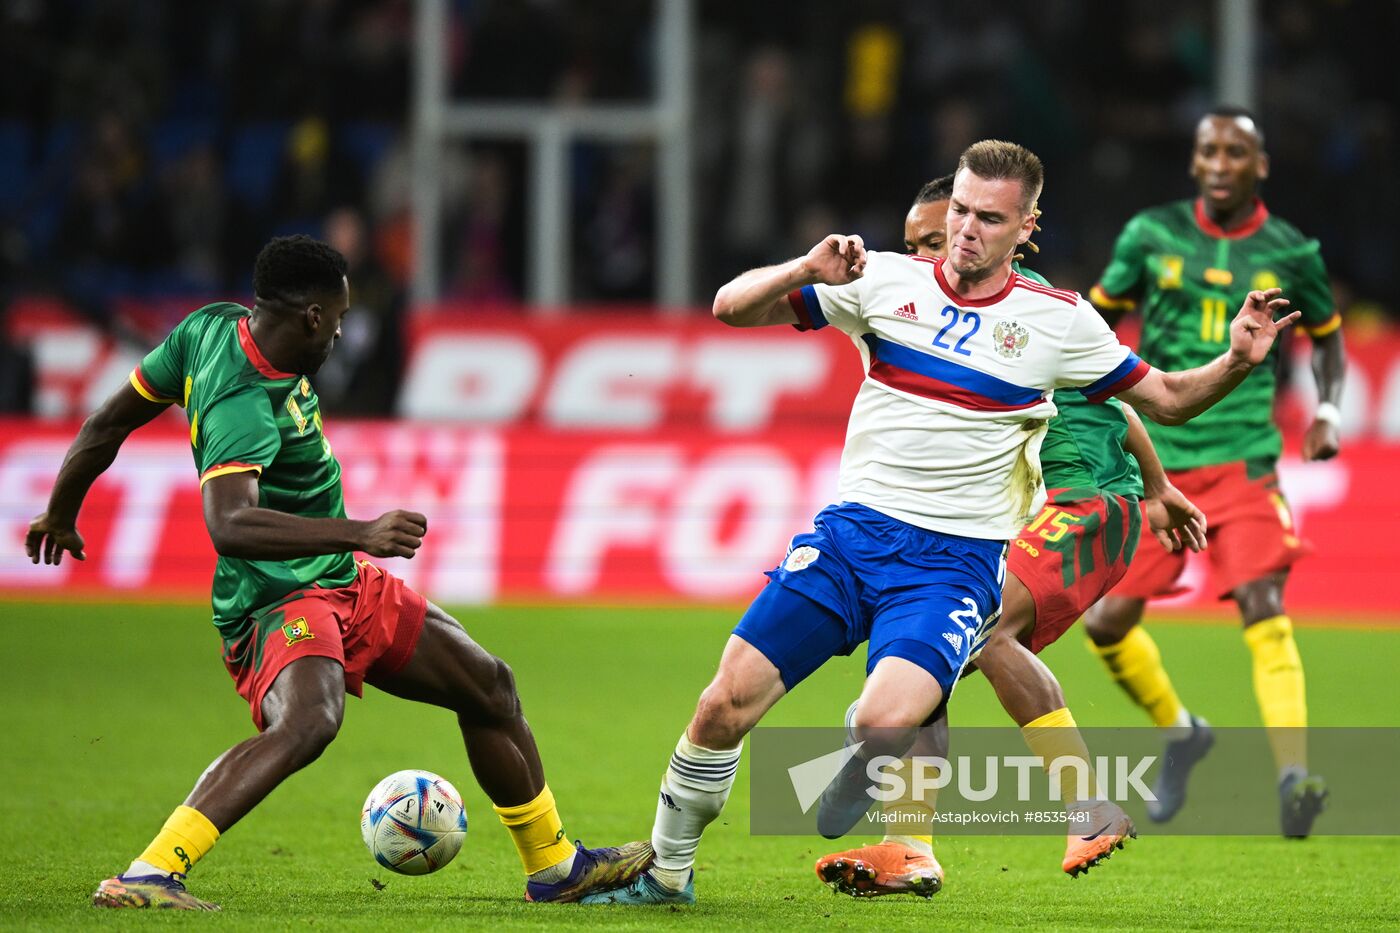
(245, 415)
(1189, 277)
(1082, 451)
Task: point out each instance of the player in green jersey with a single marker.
(302, 622)
(1070, 555)
(1183, 265)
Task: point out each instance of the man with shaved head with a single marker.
(1184, 265)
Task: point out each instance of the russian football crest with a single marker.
(1010, 339)
(801, 558)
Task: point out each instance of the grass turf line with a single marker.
(114, 711)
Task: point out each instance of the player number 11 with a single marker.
(1213, 322)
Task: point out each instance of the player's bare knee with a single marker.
(494, 699)
(883, 730)
(1001, 641)
(1260, 599)
(307, 733)
(504, 703)
(1110, 621)
(722, 717)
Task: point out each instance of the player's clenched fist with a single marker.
(837, 260)
(394, 534)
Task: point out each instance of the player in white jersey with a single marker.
(940, 468)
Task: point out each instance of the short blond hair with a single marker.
(995, 159)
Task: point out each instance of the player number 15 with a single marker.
(1052, 523)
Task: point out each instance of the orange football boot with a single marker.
(1100, 827)
(884, 868)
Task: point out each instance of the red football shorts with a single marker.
(1249, 533)
(371, 627)
(1070, 555)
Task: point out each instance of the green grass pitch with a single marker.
(113, 711)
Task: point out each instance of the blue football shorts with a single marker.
(862, 576)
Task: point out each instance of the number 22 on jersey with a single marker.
(968, 321)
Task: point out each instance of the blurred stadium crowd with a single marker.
(148, 147)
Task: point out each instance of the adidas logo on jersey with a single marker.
(953, 639)
(907, 312)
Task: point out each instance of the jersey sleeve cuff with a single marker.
(1326, 327)
(807, 307)
(219, 469)
(1102, 299)
(146, 390)
(1123, 377)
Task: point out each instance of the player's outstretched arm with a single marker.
(758, 297)
(1176, 398)
(239, 527)
(1172, 518)
(91, 453)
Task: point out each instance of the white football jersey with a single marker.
(945, 431)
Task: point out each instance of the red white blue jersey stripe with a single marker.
(930, 376)
(1127, 374)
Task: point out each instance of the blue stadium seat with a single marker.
(171, 140)
(254, 156)
(366, 144)
(14, 164)
(41, 222)
(59, 151)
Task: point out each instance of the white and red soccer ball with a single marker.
(413, 822)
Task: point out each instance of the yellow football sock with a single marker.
(1136, 665)
(1053, 737)
(911, 815)
(184, 839)
(537, 832)
(1278, 686)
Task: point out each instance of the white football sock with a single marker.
(693, 792)
(556, 872)
(139, 868)
(917, 843)
(1181, 727)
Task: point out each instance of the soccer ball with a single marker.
(413, 822)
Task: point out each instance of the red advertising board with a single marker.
(638, 374)
(528, 513)
(602, 458)
(623, 373)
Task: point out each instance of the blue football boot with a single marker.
(594, 870)
(645, 889)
